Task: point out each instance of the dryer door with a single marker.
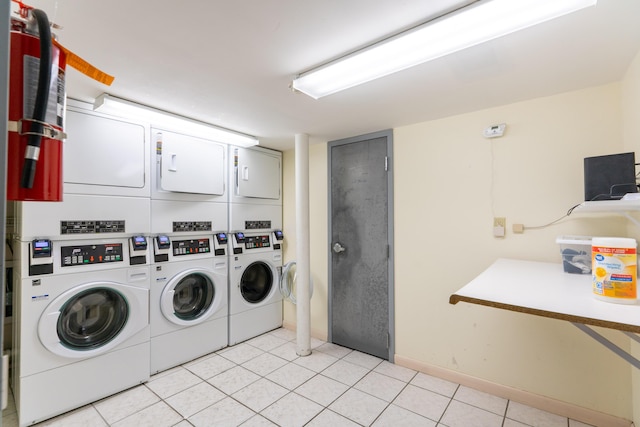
(257, 174)
(105, 156)
(93, 318)
(191, 297)
(190, 165)
(257, 282)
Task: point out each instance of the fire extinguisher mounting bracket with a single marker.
(48, 131)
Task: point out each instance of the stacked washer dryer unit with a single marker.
(255, 259)
(83, 275)
(189, 217)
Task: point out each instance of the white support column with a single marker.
(303, 258)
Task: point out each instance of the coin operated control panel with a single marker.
(238, 242)
(191, 247)
(161, 248)
(40, 257)
(257, 242)
(138, 250)
(278, 238)
(41, 254)
(91, 254)
(220, 243)
(244, 242)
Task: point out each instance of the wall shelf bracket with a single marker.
(632, 219)
(611, 346)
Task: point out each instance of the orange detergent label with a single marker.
(614, 272)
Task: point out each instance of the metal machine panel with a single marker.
(188, 218)
(257, 173)
(82, 216)
(189, 165)
(105, 155)
(246, 216)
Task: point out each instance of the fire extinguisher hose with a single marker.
(32, 151)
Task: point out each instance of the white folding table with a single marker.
(544, 289)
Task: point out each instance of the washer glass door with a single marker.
(256, 282)
(193, 296)
(92, 318)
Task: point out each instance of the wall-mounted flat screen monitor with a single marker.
(609, 177)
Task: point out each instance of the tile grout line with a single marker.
(392, 400)
(506, 409)
(448, 404)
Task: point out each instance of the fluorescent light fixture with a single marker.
(108, 104)
(484, 21)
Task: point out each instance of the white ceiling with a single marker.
(230, 63)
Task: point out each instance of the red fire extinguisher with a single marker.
(36, 110)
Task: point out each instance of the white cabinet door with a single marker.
(257, 174)
(189, 164)
(103, 151)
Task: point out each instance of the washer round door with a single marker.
(191, 297)
(92, 318)
(257, 282)
(288, 281)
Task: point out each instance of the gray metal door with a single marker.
(360, 235)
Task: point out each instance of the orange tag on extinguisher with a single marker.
(84, 67)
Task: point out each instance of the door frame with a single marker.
(388, 134)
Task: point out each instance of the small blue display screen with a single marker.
(41, 248)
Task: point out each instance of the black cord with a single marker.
(8, 242)
(570, 211)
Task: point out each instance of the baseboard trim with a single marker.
(321, 335)
(569, 410)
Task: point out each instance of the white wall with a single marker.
(453, 181)
(449, 184)
(631, 134)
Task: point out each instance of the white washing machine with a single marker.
(255, 262)
(255, 301)
(188, 298)
(82, 329)
(189, 290)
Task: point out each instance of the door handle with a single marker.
(337, 248)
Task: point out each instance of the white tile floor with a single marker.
(262, 382)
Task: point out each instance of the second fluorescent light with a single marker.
(106, 103)
(470, 26)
